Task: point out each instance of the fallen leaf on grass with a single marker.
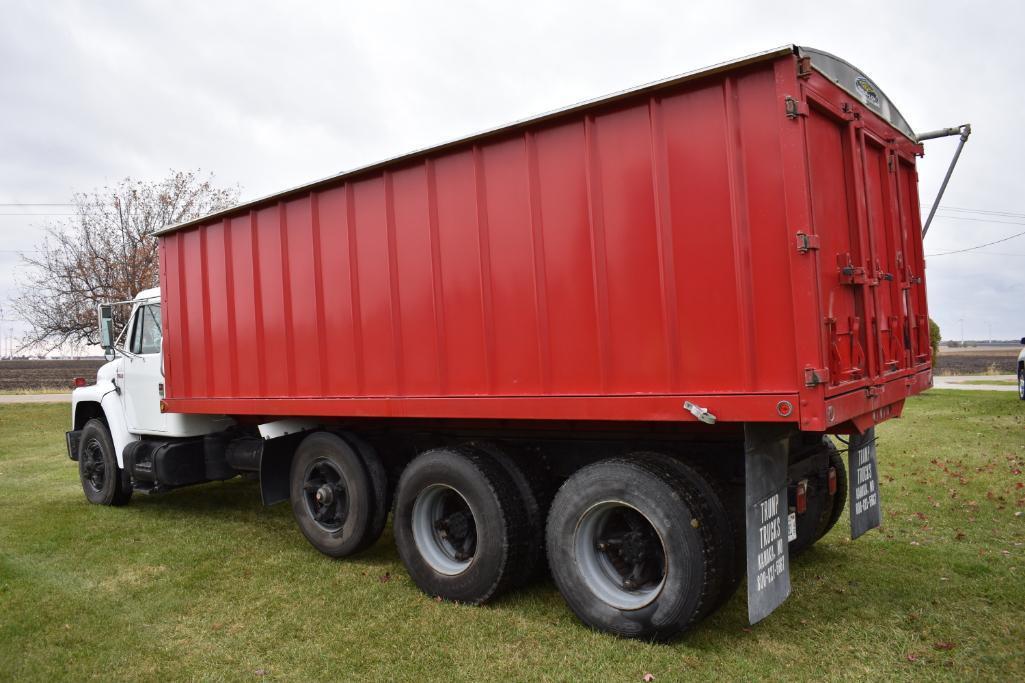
(943, 645)
(384, 578)
(912, 657)
(648, 678)
(260, 672)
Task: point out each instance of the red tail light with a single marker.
(79, 382)
(831, 478)
(801, 499)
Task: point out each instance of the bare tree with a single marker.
(106, 253)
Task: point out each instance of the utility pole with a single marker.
(961, 320)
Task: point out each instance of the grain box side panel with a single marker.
(303, 262)
(700, 206)
(565, 242)
(276, 347)
(343, 364)
(467, 356)
(773, 358)
(415, 279)
(248, 356)
(504, 171)
(623, 216)
(379, 337)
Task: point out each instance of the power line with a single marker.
(966, 218)
(1011, 214)
(978, 246)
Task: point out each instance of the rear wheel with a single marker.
(1021, 383)
(103, 482)
(839, 500)
(378, 481)
(824, 508)
(331, 495)
(630, 550)
(460, 525)
(533, 483)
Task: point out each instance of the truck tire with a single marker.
(460, 525)
(1021, 383)
(823, 509)
(331, 495)
(630, 550)
(103, 482)
(378, 479)
(840, 497)
(708, 493)
(533, 484)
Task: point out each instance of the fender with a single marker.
(105, 395)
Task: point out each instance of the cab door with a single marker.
(144, 376)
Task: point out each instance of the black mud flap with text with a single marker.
(766, 450)
(863, 483)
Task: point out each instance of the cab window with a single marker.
(146, 332)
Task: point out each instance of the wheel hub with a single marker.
(444, 529)
(621, 555)
(326, 497)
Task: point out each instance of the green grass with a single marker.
(991, 382)
(205, 583)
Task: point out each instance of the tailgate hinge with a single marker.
(806, 242)
(815, 376)
(804, 67)
(794, 108)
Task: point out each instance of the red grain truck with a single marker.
(610, 341)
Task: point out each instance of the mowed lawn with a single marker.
(206, 583)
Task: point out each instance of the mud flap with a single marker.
(863, 483)
(766, 449)
(275, 466)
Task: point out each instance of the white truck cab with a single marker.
(129, 389)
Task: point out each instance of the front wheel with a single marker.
(1021, 383)
(103, 482)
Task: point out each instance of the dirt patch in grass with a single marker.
(45, 376)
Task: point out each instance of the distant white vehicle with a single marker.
(1021, 372)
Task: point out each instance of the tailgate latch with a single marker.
(699, 412)
(815, 376)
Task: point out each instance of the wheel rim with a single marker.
(621, 555)
(327, 500)
(444, 529)
(94, 468)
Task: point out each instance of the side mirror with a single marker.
(107, 331)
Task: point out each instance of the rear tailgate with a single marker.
(863, 188)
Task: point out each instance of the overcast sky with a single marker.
(269, 96)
